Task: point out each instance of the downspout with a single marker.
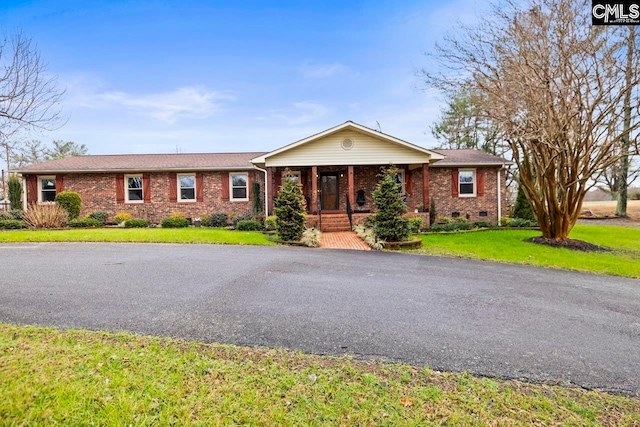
(24, 193)
(499, 198)
(266, 191)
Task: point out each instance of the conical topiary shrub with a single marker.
(289, 209)
(390, 224)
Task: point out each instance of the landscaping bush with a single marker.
(13, 224)
(219, 220)
(205, 221)
(71, 202)
(290, 210)
(444, 220)
(522, 208)
(249, 225)
(390, 224)
(136, 223)
(454, 226)
(100, 216)
(175, 222)
(17, 213)
(122, 217)
(311, 237)
(15, 191)
(520, 222)
(84, 222)
(270, 223)
(46, 216)
(482, 224)
(369, 237)
(6, 215)
(415, 224)
(257, 202)
(461, 220)
(244, 217)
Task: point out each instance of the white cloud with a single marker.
(302, 112)
(322, 71)
(189, 102)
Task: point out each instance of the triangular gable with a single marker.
(367, 147)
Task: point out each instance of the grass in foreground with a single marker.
(509, 246)
(81, 378)
(144, 235)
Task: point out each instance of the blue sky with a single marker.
(214, 76)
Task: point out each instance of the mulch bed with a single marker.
(573, 244)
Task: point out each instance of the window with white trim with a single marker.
(238, 183)
(133, 189)
(46, 189)
(467, 182)
(186, 188)
(294, 176)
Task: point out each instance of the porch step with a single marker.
(335, 222)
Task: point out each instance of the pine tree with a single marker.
(389, 221)
(289, 210)
(522, 208)
(15, 191)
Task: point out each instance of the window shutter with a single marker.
(408, 185)
(120, 188)
(32, 189)
(146, 187)
(199, 189)
(173, 187)
(454, 183)
(224, 177)
(250, 184)
(59, 183)
(480, 178)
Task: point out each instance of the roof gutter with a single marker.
(177, 169)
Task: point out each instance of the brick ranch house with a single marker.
(337, 167)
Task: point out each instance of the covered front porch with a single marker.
(331, 192)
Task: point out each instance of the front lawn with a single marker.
(51, 377)
(155, 235)
(508, 245)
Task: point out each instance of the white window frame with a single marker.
(474, 182)
(296, 173)
(40, 179)
(126, 188)
(195, 191)
(403, 177)
(246, 177)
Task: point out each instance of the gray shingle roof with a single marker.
(144, 162)
(467, 157)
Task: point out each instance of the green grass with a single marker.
(508, 245)
(51, 377)
(156, 235)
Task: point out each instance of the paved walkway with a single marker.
(343, 240)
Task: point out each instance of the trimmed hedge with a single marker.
(219, 220)
(84, 222)
(175, 222)
(13, 224)
(71, 202)
(101, 216)
(249, 225)
(136, 223)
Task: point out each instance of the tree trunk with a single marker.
(621, 207)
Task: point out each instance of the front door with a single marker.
(329, 191)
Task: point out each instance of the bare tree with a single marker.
(554, 85)
(29, 98)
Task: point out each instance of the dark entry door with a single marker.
(329, 191)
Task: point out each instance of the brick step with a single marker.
(335, 229)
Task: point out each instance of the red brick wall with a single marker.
(98, 192)
(446, 204)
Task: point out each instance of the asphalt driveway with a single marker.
(451, 314)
